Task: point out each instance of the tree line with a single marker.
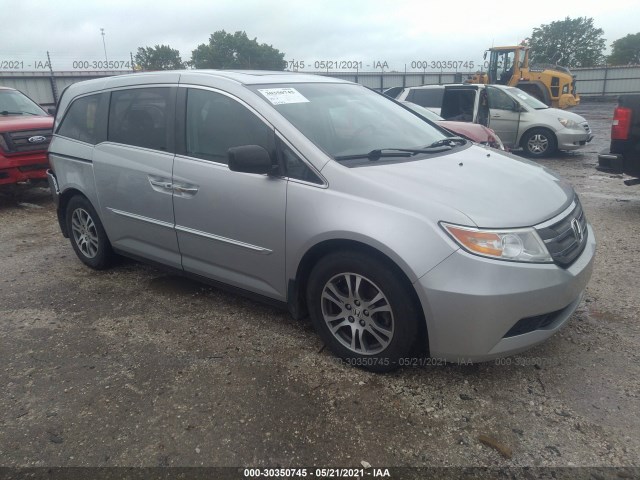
(224, 51)
(572, 42)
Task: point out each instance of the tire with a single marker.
(87, 234)
(539, 142)
(340, 291)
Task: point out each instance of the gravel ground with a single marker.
(137, 367)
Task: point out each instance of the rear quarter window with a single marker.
(84, 120)
(427, 97)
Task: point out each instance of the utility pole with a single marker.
(104, 45)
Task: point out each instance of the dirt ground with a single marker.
(136, 367)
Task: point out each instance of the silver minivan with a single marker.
(329, 199)
(520, 120)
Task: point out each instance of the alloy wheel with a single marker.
(357, 313)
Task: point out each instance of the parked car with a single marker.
(623, 154)
(470, 131)
(520, 120)
(25, 133)
(327, 198)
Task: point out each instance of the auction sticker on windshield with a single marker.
(280, 96)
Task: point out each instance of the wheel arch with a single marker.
(296, 288)
(64, 199)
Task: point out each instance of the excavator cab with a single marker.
(505, 65)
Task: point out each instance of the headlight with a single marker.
(568, 123)
(517, 245)
(495, 142)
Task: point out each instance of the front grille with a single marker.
(18, 142)
(586, 127)
(566, 238)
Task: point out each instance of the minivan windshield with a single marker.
(347, 119)
(526, 98)
(13, 102)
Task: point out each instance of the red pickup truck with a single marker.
(25, 133)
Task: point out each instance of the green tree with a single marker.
(226, 50)
(572, 42)
(160, 57)
(626, 50)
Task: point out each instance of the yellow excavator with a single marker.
(553, 85)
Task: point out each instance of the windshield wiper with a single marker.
(449, 141)
(377, 154)
(6, 112)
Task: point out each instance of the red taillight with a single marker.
(621, 123)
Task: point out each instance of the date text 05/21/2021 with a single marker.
(465, 65)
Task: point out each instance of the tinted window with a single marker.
(295, 167)
(215, 123)
(500, 100)
(427, 97)
(139, 117)
(81, 120)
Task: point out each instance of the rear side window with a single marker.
(81, 120)
(140, 117)
(215, 123)
(427, 97)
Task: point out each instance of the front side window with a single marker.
(347, 119)
(499, 100)
(215, 123)
(139, 117)
(295, 168)
(81, 120)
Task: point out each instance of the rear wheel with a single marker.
(362, 310)
(87, 234)
(539, 142)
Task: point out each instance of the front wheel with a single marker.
(539, 142)
(87, 235)
(362, 310)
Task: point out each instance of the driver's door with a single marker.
(230, 225)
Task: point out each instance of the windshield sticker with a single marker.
(280, 96)
(522, 96)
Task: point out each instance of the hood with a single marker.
(477, 133)
(16, 123)
(555, 113)
(494, 189)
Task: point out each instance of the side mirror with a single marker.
(51, 111)
(250, 159)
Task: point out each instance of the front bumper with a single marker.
(572, 139)
(22, 168)
(472, 304)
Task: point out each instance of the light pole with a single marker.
(104, 45)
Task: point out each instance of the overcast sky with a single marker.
(396, 31)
